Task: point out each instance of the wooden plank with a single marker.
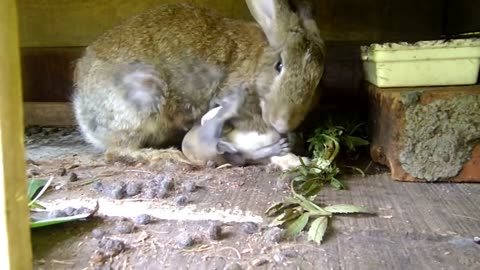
(48, 114)
(48, 73)
(343, 74)
(379, 20)
(53, 23)
(15, 246)
(48, 80)
(416, 226)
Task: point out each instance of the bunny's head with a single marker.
(291, 66)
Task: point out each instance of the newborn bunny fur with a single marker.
(207, 141)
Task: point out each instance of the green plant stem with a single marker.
(336, 147)
(317, 209)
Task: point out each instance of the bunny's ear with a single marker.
(305, 12)
(272, 16)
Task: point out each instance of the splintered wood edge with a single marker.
(15, 246)
(48, 114)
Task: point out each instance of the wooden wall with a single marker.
(462, 16)
(54, 32)
(70, 23)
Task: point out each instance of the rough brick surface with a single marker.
(426, 134)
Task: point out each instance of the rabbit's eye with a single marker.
(279, 66)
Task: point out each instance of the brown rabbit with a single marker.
(142, 85)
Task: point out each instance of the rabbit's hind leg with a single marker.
(124, 111)
(155, 158)
(120, 104)
(135, 147)
(142, 86)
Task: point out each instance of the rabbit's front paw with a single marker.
(281, 147)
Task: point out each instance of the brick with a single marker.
(428, 133)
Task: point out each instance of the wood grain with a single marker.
(54, 23)
(15, 246)
(48, 114)
(462, 16)
(48, 73)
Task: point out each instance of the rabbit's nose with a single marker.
(280, 126)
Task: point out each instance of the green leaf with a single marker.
(310, 206)
(352, 142)
(37, 206)
(302, 161)
(307, 205)
(40, 193)
(293, 213)
(360, 171)
(303, 170)
(295, 227)
(277, 208)
(336, 183)
(317, 229)
(315, 170)
(345, 209)
(54, 221)
(285, 217)
(274, 208)
(278, 220)
(313, 190)
(357, 141)
(306, 185)
(34, 185)
(299, 178)
(353, 129)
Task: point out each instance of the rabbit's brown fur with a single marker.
(144, 83)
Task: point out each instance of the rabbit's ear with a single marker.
(210, 115)
(305, 12)
(272, 16)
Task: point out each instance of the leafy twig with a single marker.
(295, 213)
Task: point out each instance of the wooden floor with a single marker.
(417, 226)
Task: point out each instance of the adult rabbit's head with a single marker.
(291, 66)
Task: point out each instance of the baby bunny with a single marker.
(142, 85)
(206, 142)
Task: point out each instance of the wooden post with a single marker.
(15, 243)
